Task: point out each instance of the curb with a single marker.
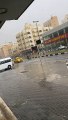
(51, 55)
(56, 54)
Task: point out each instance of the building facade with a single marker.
(52, 22)
(19, 41)
(29, 35)
(1, 53)
(56, 37)
(15, 50)
(6, 50)
(65, 19)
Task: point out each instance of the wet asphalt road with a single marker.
(32, 95)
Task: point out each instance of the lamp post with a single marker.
(37, 27)
(39, 42)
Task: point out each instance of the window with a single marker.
(5, 61)
(61, 32)
(46, 29)
(50, 36)
(28, 32)
(40, 30)
(55, 34)
(9, 60)
(66, 29)
(29, 36)
(31, 41)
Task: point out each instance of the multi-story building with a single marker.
(19, 41)
(5, 50)
(37, 32)
(1, 53)
(29, 35)
(15, 50)
(25, 38)
(65, 19)
(52, 22)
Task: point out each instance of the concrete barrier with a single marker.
(5, 112)
(62, 53)
(50, 54)
(56, 53)
(46, 55)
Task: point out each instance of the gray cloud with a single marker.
(39, 10)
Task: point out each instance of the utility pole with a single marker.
(39, 42)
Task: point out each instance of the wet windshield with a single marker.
(34, 83)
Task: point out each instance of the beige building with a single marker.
(52, 22)
(37, 32)
(1, 53)
(65, 19)
(5, 50)
(19, 41)
(29, 35)
(25, 38)
(15, 50)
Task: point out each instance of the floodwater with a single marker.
(37, 90)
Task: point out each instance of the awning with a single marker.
(12, 9)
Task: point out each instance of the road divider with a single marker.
(47, 55)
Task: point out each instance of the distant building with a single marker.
(65, 19)
(52, 22)
(15, 49)
(1, 53)
(5, 50)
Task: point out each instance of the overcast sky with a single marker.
(40, 10)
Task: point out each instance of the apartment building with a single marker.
(52, 22)
(29, 35)
(1, 53)
(5, 50)
(65, 18)
(15, 49)
(25, 38)
(37, 32)
(19, 41)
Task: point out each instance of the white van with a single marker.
(6, 63)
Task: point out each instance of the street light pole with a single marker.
(39, 52)
(37, 28)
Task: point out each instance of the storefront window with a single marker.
(66, 29)
(61, 32)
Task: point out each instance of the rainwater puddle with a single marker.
(53, 77)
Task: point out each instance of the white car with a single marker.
(62, 47)
(6, 63)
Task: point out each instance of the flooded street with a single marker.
(36, 93)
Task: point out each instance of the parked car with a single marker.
(62, 47)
